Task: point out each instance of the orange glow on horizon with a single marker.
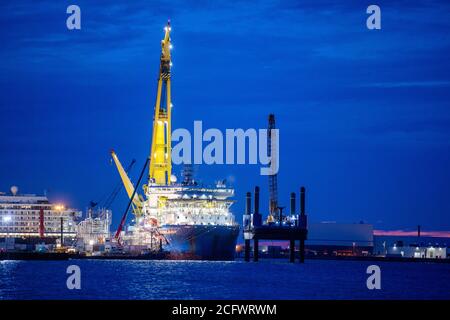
(399, 233)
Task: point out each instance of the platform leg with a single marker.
(302, 251)
(292, 251)
(247, 250)
(255, 250)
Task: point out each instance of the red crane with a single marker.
(41, 223)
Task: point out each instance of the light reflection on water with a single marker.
(267, 279)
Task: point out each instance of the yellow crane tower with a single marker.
(160, 155)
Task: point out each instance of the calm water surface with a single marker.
(267, 279)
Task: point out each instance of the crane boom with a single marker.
(108, 202)
(160, 154)
(132, 197)
(129, 187)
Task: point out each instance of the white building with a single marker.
(417, 252)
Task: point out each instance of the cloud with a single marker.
(406, 233)
(407, 84)
(431, 125)
(315, 30)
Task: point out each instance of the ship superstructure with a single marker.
(185, 217)
(190, 205)
(30, 219)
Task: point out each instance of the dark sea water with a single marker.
(267, 279)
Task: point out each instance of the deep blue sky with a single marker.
(364, 116)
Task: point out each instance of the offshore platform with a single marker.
(277, 226)
(291, 227)
(182, 217)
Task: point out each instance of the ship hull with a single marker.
(201, 242)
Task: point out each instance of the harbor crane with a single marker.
(129, 187)
(160, 155)
(160, 159)
(109, 201)
(273, 178)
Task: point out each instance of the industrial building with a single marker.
(340, 239)
(412, 246)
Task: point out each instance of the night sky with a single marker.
(364, 115)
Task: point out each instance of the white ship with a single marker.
(186, 218)
(29, 219)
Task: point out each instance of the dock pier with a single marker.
(292, 228)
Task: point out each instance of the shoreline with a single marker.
(47, 256)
